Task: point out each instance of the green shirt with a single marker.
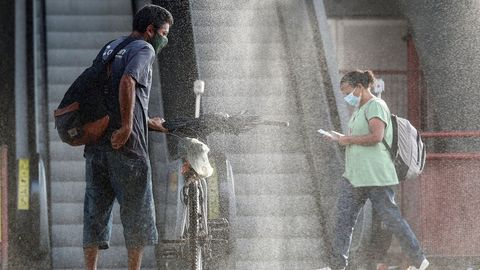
(370, 165)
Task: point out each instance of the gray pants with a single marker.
(349, 204)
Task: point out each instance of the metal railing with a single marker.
(451, 134)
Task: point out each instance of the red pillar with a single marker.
(415, 84)
(4, 207)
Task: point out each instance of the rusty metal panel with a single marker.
(443, 205)
(3, 207)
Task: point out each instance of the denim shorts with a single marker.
(109, 176)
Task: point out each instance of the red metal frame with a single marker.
(4, 204)
(442, 204)
(415, 84)
(452, 134)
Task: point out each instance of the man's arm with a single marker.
(127, 104)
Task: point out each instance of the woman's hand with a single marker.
(343, 140)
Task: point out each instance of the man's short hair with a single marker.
(151, 14)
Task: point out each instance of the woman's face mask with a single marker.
(351, 99)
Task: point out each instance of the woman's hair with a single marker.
(365, 78)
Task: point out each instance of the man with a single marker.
(118, 166)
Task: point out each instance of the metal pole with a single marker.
(331, 62)
(198, 89)
(21, 102)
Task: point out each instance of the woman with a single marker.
(369, 172)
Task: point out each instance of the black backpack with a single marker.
(82, 116)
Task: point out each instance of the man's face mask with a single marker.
(158, 42)
(351, 99)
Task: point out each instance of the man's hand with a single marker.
(156, 123)
(120, 137)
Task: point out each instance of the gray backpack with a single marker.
(408, 151)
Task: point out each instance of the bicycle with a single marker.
(203, 240)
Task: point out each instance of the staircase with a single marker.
(242, 57)
(76, 30)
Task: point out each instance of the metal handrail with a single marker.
(452, 134)
(449, 134)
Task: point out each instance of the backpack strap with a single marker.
(119, 47)
(392, 150)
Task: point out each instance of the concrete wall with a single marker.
(362, 8)
(446, 36)
(376, 44)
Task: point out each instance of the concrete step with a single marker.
(72, 213)
(89, 23)
(63, 75)
(113, 258)
(279, 265)
(234, 17)
(103, 268)
(71, 57)
(259, 87)
(261, 106)
(259, 228)
(81, 40)
(268, 163)
(231, 87)
(243, 5)
(275, 140)
(240, 51)
(276, 205)
(232, 34)
(67, 192)
(274, 184)
(56, 93)
(244, 69)
(67, 171)
(84, 7)
(270, 249)
(71, 235)
(62, 151)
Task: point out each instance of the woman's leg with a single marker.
(349, 203)
(383, 201)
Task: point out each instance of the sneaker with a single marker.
(423, 266)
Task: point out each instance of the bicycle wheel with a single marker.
(194, 227)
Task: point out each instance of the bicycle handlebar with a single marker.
(206, 124)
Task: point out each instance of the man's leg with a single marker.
(349, 203)
(133, 188)
(91, 257)
(135, 258)
(383, 201)
(98, 203)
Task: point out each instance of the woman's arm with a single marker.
(377, 130)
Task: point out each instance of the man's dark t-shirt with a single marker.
(136, 60)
